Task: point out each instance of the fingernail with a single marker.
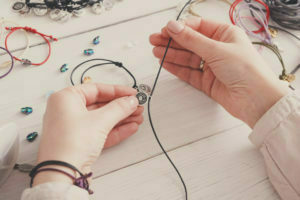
(175, 27)
(133, 102)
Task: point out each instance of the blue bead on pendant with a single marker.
(64, 68)
(96, 40)
(31, 136)
(26, 110)
(88, 52)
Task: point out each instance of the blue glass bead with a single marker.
(88, 52)
(64, 68)
(96, 40)
(31, 136)
(26, 110)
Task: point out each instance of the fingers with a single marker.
(191, 76)
(138, 111)
(180, 57)
(114, 112)
(139, 119)
(191, 39)
(120, 133)
(157, 39)
(92, 93)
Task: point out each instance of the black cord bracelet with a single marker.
(143, 89)
(81, 182)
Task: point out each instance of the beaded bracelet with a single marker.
(25, 61)
(11, 62)
(81, 182)
(3, 22)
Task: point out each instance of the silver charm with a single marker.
(145, 88)
(26, 62)
(18, 6)
(108, 4)
(25, 168)
(55, 14)
(97, 8)
(78, 13)
(40, 11)
(21, 8)
(60, 15)
(142, 98)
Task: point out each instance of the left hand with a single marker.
(81, 120)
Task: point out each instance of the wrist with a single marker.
(263, 98)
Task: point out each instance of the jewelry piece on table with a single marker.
(98, 8)
(41, 10)
(24, 168)
(21, 8)
(87, 79)
(78, 13)
(31, 136)
(26, 110)
(26, 62)
(96, 40)
(64, 68)
(56, 14)
(108, 4)
(88, 52)
(142, 98)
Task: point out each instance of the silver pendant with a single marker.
(145, 88)
(97, 8)
(40, 11)
(108, 4)
(65, 17)
(142, 98)
(78, 13)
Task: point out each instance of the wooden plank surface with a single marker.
(197, 116)
(222, 167)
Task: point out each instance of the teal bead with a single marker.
(96, 40)
(26, 110)
(31, 136)
(64, 68)
(88, 52)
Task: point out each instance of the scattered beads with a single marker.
(26, 110)
(64, 68)
(87, 79)
(88, 52)
(31, 136)
(96, 40)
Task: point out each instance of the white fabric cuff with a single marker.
(273, 117)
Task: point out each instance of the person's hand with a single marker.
(234, 73)
(81, 120)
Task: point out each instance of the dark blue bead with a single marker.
(64, 68)
(31, 136)
(88, 52)
(96, 40)
(26, 110)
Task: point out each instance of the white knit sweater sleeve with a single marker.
(277, 135)
(55, 191)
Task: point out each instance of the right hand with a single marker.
(234, 74)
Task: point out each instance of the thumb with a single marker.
(191, 39)
(115, 111)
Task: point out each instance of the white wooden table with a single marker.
(210, 148)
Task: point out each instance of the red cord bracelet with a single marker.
(34, 31)
(234, 5)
